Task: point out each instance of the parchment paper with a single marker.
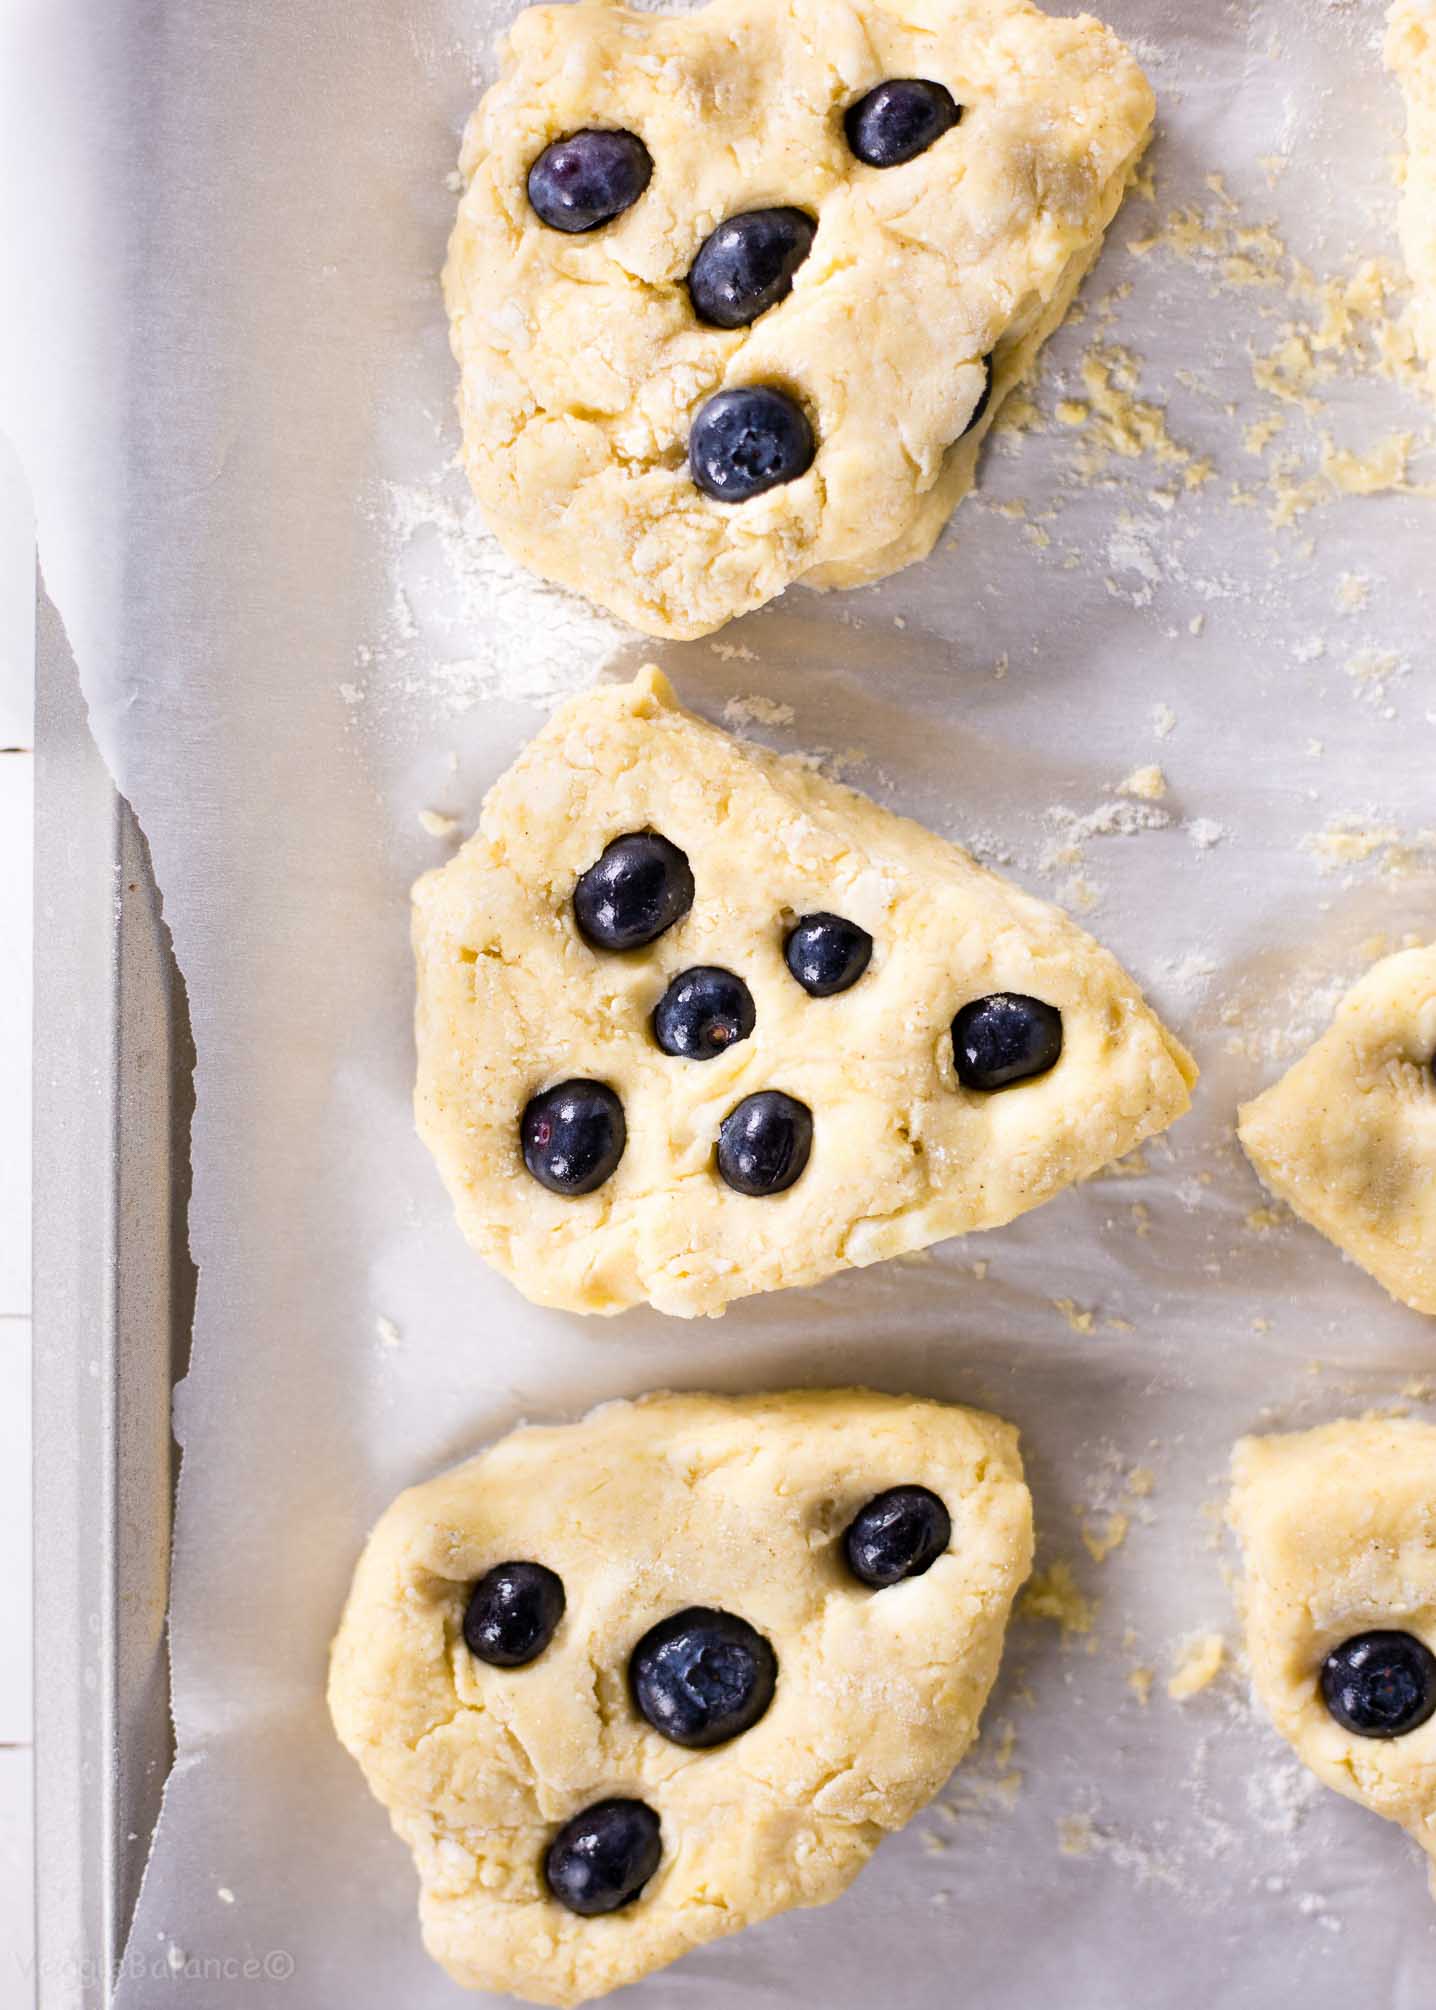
(229, 378)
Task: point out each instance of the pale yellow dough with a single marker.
(643, 1509)
(1338, 1526)
(582, 364)
(1411, 54)
(511, 1000)
(1348, 1135)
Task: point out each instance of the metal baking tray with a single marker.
(113, 1299)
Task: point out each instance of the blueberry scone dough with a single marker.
(1411, 54)
(630, 1684)
(586, 370)
(695, 1022)
(1338, 1527)
(1347, 1137)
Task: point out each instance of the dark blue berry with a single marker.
(703, 1013)
(573, 1136)
(763, 1143)
(702, 1677)
(747, 441)
(975, 416)
(1003, 1039)
(588, 178)
(638, 888)
(513, 1613)
(900, 1533)
(1380, 1685)
(899, 120)
(747, 264)
(602, 1859)
(827, 954)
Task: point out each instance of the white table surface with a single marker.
(17, 589)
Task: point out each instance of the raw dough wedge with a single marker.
(513, 999)
(1338, 1527)
(1347, 1137)
(643, 1510)
(583, 364)
(1411, 54)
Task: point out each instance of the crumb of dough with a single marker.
(387, 1331)
(1147, 782)
(1074, 1835)
(1078, 1317)
(733, 652)
(1201, 1663)
(1140, 1481)
(1261, 1220)
(1164, 721)
(1139, 1681)
(1053, 1594)
(756, 710)
(437, 824)
(1100, 1539)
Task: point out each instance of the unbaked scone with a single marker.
(1411, 54)
(1338, 1528)
(585, 365)
(630, 1684)
(695, 1022)
(1347, 1137)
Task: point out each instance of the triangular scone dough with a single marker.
(1338, 1526)
(1348, 1135)
(512, 1000)
(582, 362)
(1411, 53)
(645, 1509)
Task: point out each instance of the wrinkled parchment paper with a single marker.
(232, 390)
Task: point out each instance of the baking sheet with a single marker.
(235, 410)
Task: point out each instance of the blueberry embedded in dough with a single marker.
(703, 1013)
(573, 1136)
(702, 1678)
(513, 1613)
(1381, 1684)
(900, 1533)
(1004, 1039)
(827, 954)
(747, 441)
(601, 1859)
(899, 120)
(748, 264)
(764, 1143)
(635, 891)
(587, 178)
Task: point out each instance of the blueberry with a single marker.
(900, 1533)
(573, 1136)
(899, 120)
(513, 1613)
(588, 178)
(703, 1013)
(747, 441)
(1003, 1039)
(974, 417)
(639, 887)
(827, 954)
(1380, 1685)
(702, 1677)
(602, 1859)
(764, 1142)
(746, 265)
